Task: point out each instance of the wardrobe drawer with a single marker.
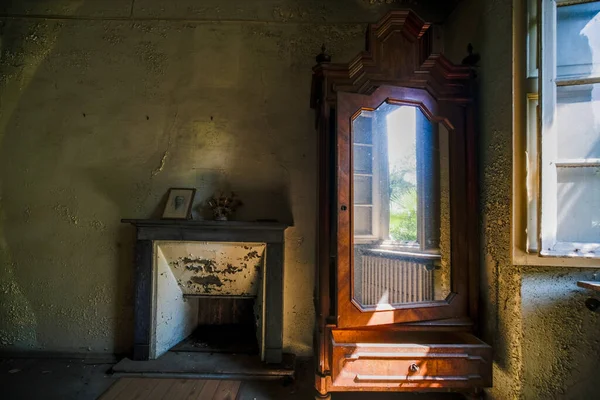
(410, 360)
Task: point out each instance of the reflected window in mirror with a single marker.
(400, 207)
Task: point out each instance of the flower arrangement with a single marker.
(224, 206)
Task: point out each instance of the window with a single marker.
(563, 130)
(395, 178)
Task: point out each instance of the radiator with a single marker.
(393, 281)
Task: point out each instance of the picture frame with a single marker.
(179, 203)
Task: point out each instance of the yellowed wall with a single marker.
(100, 115)
(545, 340)
(108, 103)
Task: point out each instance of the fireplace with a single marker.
(225, 325)
(201, 285)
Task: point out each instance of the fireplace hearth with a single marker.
(230, 338)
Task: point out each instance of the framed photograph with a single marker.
(179, 203)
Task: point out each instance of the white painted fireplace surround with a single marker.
(163, 316)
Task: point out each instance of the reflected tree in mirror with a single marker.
(401, 133)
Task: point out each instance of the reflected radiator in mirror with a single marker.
(393, 281)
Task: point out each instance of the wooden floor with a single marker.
(172, 389)
(89, 378)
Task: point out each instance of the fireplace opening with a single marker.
(225, 325)
(209, 298)
(231, 338)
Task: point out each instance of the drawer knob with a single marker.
(413, 368)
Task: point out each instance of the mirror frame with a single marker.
(452, 116)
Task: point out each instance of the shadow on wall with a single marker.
(263, 203)
(50, 235)
(125, 288)
(561, 355)
(263, 190)
(18, 321)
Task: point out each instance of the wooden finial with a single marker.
(323, 57)
(472, 58)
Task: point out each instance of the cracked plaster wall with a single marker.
(545, 341)
(108, 103)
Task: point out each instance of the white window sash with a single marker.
(548, 129)
(375, 206)
(548, 158)
(532, 171)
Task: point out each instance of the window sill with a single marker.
(529, 259)
(421, 257)
(366, 239)
(573, 250)
(592, 285)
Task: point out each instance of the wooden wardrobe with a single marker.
(398, 252)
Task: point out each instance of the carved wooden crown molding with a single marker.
(399, 52)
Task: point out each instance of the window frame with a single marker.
(375, 205)
(535, 92)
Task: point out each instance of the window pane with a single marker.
(363, 220)
(362, 128)
(363, 159)
(532, 175)
(578, 113)
(578, 204)
(363, 190)
(532, 39)
(578, 40)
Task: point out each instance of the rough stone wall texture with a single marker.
(108, 103)
(561, 346)
(545, 340)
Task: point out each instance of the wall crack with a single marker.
(163, 160)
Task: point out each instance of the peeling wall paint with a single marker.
(544, 338)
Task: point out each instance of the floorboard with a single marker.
(116, 389)
(161, 389)
(227, 390)
(172, 389)
(196, 390)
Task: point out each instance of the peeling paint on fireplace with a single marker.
(206, 282)
(215, 269)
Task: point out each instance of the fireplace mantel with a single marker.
(235, 231)
(150, 230)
